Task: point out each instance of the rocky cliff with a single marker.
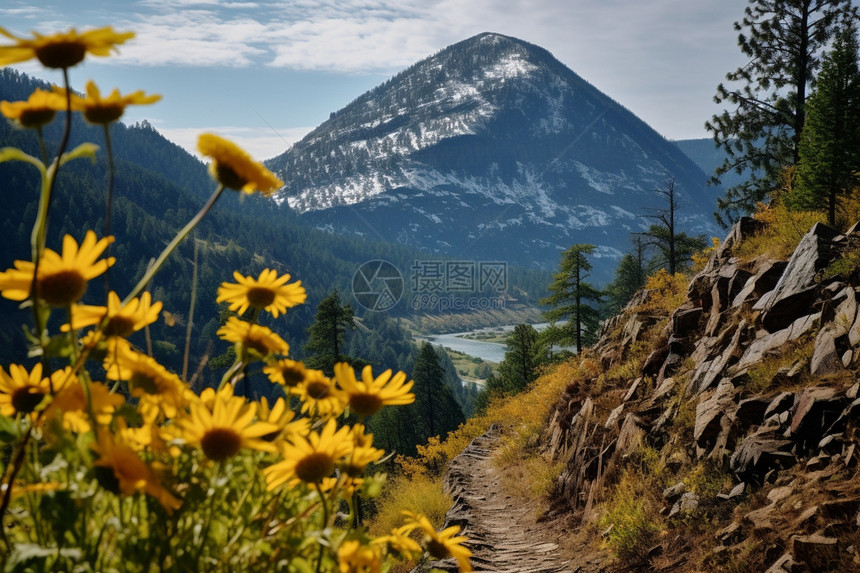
(723, 434)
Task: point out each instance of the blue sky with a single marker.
(265, 72)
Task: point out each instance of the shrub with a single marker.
(631, 519)
(665, 292)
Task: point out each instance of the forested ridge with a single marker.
(158, 188)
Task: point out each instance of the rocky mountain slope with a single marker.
(713, 427)
(729, 424)
(494, 150)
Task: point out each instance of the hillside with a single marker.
(491, 150)
(734, 416)
(713, 427)
(158, 187)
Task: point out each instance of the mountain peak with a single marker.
(496, 136)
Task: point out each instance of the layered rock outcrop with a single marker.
(755, 376)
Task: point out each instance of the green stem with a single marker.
(210, 510)
(42, 145)
(172, 246)
(109, 202)
(238, 365)
(324, 524)
(17, 463)
(190, 324)
(40, 227)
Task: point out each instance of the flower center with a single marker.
(227, 177)
(438, 549)
(25, 399)
(36, 117)
(104, 113)
(221, 443)
(292, 375)
(260, 297)
(314, 467)
(365, 404)
(62, 288)
(318, 390)
(257, 345)
(62, 54)
(121, 326)
(147, 383)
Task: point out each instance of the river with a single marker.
(490, 351)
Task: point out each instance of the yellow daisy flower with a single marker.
(399, 543)
(225, 428)
(319, 395)
(61, 50)
(70, 402)
(309, 460)
(62, 278)
(443, 544)
(146, 378)
(288, 373)
(353, 557)
(234, 168)
(38, 110)
(267, 292)
(362, 454)
(21, 392)
(122, 320)
(283, 418)
(254, 337)
(99, 110)
(371, 394)
(124, 472)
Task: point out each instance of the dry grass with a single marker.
(781, 235)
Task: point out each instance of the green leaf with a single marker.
(86, 149)
(32, 557)
(61, 510)
(15, 154)
(9, 430)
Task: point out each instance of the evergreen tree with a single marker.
(673, 252)
(572, 298)
(526, 352)
(327, 335)
(629, 277)
(830, 145)
(783, 40)
(437, 409)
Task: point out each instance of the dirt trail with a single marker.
(503, 534)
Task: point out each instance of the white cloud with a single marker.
(661, 58)
(261, 144)
(194, 37)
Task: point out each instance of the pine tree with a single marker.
(783, 40)
(830, 145)
(629, 277)
(570, 297)
(526, 352)
(436, 408)
(327, 335)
